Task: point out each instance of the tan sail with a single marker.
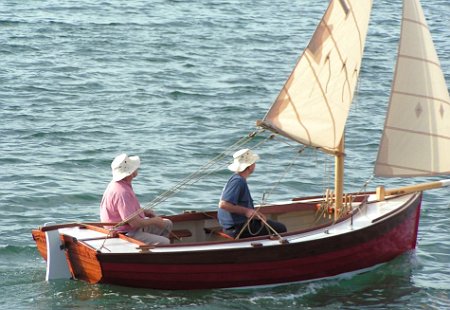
(313, 105)
(416, 137)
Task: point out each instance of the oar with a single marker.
(67, 225)
(383, 192)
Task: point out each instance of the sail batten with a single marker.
(313, 105)
(417, 126)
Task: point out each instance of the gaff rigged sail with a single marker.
(313, 105)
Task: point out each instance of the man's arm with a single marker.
(138, 222)
(247, 212)
(149, 213)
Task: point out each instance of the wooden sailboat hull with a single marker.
(236, 264)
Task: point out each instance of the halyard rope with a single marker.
(286, 171)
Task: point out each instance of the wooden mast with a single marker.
(339, 178)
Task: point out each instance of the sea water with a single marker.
(178, 82)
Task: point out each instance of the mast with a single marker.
(339, 177)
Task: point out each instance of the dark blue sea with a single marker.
(177, 82)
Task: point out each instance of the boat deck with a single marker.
(364, 217)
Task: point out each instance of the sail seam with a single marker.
(421, 96)
(420, 59)
(424, 172)
(416, 22)
(418, 132)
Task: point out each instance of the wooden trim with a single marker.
(69, 225)
(382, 192)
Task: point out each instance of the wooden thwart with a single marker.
(180, 233)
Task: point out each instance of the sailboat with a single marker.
(329, 234)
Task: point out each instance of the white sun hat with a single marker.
(123, 166)
(243, 159)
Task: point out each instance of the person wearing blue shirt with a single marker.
(236, 203)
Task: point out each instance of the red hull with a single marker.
(379, 243)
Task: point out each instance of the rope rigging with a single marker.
(216, 164)
(207, 169)
(286, 171)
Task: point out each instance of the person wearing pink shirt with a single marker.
(120, 204)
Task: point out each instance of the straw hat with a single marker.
(243, 159)
(123, 166)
